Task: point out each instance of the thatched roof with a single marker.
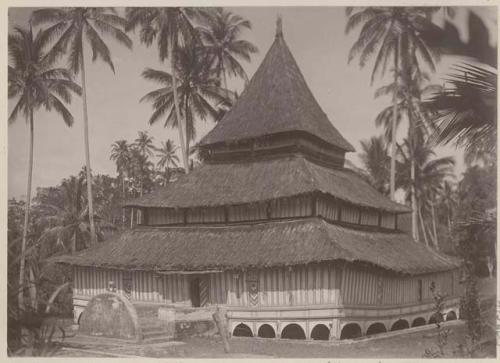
(259, 245)
(249, 182)
(276, 100)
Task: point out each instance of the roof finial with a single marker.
(279, 27)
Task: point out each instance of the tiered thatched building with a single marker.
(273, 228)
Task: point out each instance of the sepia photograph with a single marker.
(251, 182)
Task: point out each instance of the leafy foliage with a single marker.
(466, 112)
(71, 26)
(200, 94)
(220, 31)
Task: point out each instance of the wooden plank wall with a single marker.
(369, 217)
(313, 284)
(158, 216)
(388, 220)
(247, 212)
(205, 215)
(302, 285)
(327, 208)
(145, 286)
(349, 214)
(291, 207)
(281, 208)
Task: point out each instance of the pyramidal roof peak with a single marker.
(279, 26)
(276, 100)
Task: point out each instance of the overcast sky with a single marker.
(316, 38)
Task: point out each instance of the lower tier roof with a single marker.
(268, 244)
(250, 182)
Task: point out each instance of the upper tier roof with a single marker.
(249, 182)
(276, 100)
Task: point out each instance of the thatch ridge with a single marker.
(267, 244)
(277, 99)
(259, 181)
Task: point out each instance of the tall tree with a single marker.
(67, 215)
(220, 34)
(419, 90)
(430, 175)
(379, 34)
(120, 154)
(170, 26)
(394, 31)
(144, 143)
(198, 91)
(35, 83)
(74, 27)
(167, 157)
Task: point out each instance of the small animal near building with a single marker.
(273, 229)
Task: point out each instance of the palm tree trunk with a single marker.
(449, 220)
(26, 214)
(186, 109)
(414, 217)
(225, 82)
(185, 155)
(123, 197)
(422, 226)
(32, 289)
(93, 239)
(434, 229)
(393, 127)
(407, 71)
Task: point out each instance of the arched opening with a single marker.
(320, 332)
(436, 318)
(400, 325)
(418, 322)
(350, 331)
(451, 315)
(376, 328)
(266, 331)
(293, 331)
(242, 330)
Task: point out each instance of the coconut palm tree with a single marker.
(421, 113)
(120, 154)
(428, 182)
(376, 160)
(380, 26)
(198, 91)
(74, 27)
(393, 31)
(140, 170)
(68, 219)
(220, 34)
(35, 83)
(167, 157)
(170, 26)
(144, 143)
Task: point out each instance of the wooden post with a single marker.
(314, 202)
(220, 321)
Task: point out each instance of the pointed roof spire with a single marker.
(276, 100)
(279, 26)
